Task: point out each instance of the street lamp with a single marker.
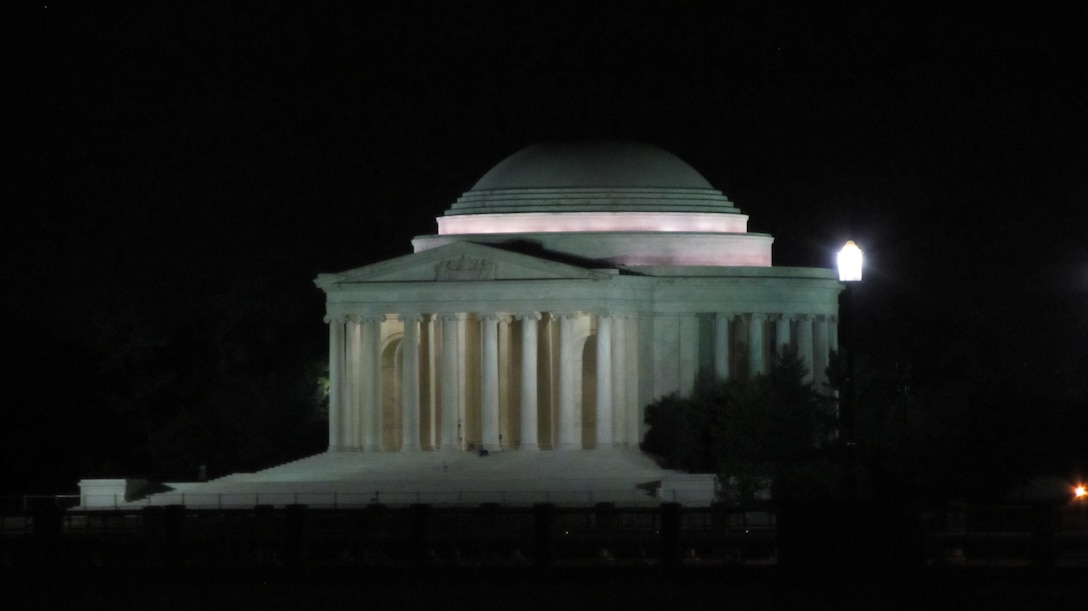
(849, 263)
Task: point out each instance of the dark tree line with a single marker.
(958, 429)
(233, 383)
(747, 430)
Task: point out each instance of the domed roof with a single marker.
(620, 203)
(594, 164)
(593, 176)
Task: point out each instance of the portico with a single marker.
(465, 364)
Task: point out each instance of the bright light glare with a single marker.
(1080, 492)
(850, 262)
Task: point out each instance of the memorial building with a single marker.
(567, 289)
(511, 355)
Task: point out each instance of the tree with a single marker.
(763, 427)
(232, 384)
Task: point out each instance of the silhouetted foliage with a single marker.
(969, 421)
(233, 386)
(962, 437)
(761, 427)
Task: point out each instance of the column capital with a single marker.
(527, 316)
(451, 316)
(410, 317)
(757, 316)
(329, 319)
(563, 315)
(491, 316)
(489, 381)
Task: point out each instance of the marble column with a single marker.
(410, 383)
(756, 358)
(353, 439)
(638, 352)
(528, 402)
(604, 381)
(619, 379)
(507, 435)
(489, 388)
(336, 383)
(371, 375)
(721, 344)
(570, 434)
(449, 389)
(782, 340)
(429, 382)
(804, 344)
(463, 369)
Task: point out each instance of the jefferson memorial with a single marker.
(570, 287)
(515, 350)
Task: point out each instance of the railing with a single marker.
(385, 535)
(401, 498)
(381, 534)
(10, 505)
(1009, 535)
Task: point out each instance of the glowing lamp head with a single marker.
(1080, 493)
(850, 263)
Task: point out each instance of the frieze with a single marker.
(465, 268)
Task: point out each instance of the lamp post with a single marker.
(849, 264)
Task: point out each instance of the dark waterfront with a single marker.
(484, 588)
(543, 557)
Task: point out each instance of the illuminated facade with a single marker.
(569, 288)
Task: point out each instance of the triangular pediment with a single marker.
(461, 262)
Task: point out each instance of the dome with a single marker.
(594, 176)
(591, 165)
(619, 203)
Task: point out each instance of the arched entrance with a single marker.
(392, 365)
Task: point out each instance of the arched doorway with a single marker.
(392, 365)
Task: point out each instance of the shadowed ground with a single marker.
(476, 589)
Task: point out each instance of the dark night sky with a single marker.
(166, 153)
